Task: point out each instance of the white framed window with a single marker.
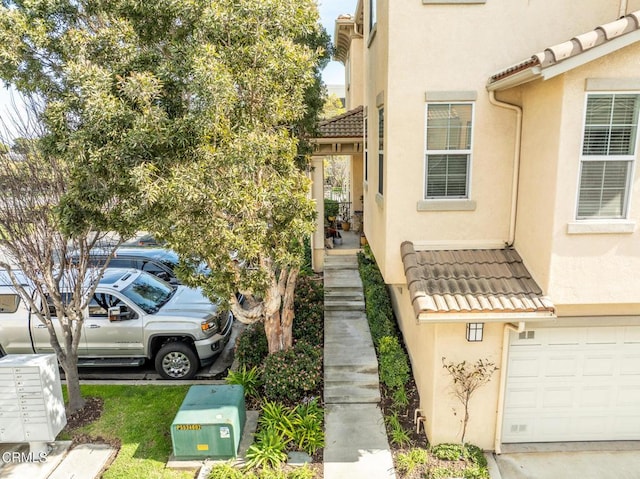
(609, 145)
(448, 141)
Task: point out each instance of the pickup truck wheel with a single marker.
(176, 360)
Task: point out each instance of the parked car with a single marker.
(160, 262)
(132, 317)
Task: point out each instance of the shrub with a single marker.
(407, 462)
(448, 452)
(303, 472)
(331, 208)
(251, 346)
(293, 374)
(307, 431)
(398, 435)
(394, 365)
(227, 471)
(400, 398)
(268, 450)
(249, 379)
(308, 325)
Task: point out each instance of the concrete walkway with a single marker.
(356, 441)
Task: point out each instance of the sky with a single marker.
(329, 11)
(333, 74)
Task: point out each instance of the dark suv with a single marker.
(159, 262)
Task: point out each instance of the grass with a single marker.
(140, 418)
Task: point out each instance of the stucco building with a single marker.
(501, 198)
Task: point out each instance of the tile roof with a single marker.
(471, 281)
(347, 125)
(578, 45)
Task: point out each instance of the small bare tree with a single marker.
(467, 378)
(48, 268)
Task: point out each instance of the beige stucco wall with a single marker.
(376, 76)
(411, 59)
(354, 71)
(573, 269)
(427, 345)
(356, 182)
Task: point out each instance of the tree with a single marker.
(48, 268)
(467, 378)
(332, 106)
(189, 119)
(242, 193)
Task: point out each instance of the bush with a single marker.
(252, 347)
(331, 208)
(308, 325)
(269, 450)
(293, 374)
(394, 365)
(249, 379)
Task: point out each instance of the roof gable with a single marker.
(347, 125)
(579, 50)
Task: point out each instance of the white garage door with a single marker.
(573, 384)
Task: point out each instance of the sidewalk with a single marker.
(356, 440)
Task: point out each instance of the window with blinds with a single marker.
(448, 150)
(608, 153)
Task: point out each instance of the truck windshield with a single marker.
(148, 292)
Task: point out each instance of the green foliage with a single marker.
(442, 472)
(309, 310)
(275, 416)
(475, 455)
(398, 436)
(303, 472)
(307, 433)
(190, 119)
(455, 452)
(280, 427)
(331, 208)
(377, 302)
(269, 450)
(448, 452)
(400, 398)
(293, 374)
(409, 461)
(249, 379)
(228, 471)
(394, 365)
(251, 346)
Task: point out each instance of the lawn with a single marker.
(139, 419)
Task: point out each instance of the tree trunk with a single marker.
(288, 312)
(273, 330)
(75, 399)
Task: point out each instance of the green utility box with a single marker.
(209, 423)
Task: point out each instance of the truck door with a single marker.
(13, 323)
(40, 334)
(110, 335)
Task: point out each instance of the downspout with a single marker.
(516, 163)
(623, 8)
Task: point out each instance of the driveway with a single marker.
(609, 460)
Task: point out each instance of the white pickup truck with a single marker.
(132, 317)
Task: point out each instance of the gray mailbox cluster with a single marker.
(31, 404)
